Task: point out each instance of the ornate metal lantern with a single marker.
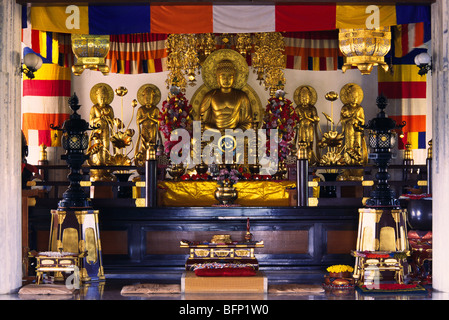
(74, 142)
(90, 51)
(381, 140)
(365, 48)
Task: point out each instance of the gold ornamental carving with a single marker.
(90, 51)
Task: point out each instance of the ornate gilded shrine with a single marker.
(224, 104)
(194, 179)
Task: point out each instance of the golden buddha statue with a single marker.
(101, 118)
(225, 100)
(306, 129)
(147, 120)
(226, 107)
(351, 117)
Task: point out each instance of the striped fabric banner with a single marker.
(137, 53)
(410, 36)
(45, 102)
(207, 17)
(406, 93)
(53, 47)
(316, 51)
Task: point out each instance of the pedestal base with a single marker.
(190, 283)
(77, 231)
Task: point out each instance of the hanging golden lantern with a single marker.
(365, 48)
(90, 52)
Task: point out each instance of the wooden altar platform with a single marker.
(144, 242)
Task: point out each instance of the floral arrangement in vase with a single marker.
(339, 278)
(228, 177)
(175, 114)
(280, 114)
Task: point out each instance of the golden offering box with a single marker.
(242, 252)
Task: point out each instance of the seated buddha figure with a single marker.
(226, 107)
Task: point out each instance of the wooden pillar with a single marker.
(440, 145)
(302, 176)
(151, 179)
(10, 148)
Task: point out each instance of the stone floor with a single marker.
(110, 290)
(107, 295)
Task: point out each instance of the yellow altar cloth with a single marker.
(201, 193)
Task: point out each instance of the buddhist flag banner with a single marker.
(53, 47)
(207, 17)
(243, 18)
(45, 102)
(305, 17)
(407, 37)
(137, 53)
(358, 16)
(406, 91)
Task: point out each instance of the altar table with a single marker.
(201, 193)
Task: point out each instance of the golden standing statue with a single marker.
(351, 117)
(306, 130)
(102, 118)
(147, 120)
(226, 107)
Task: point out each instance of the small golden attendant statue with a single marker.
(351, 117)
(101, 118)
(306, 130)
(147, 120)
(226, 107)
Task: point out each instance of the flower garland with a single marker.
(175, 114)
(280, 114)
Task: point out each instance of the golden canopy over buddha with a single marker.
(226, 107)
(306, 130)
(351, 117)
(147, 120)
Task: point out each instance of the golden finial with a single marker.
(43, 153)
(429, 151)
(121, 91)
(331, 96)
(302, 150)
(408, 153)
